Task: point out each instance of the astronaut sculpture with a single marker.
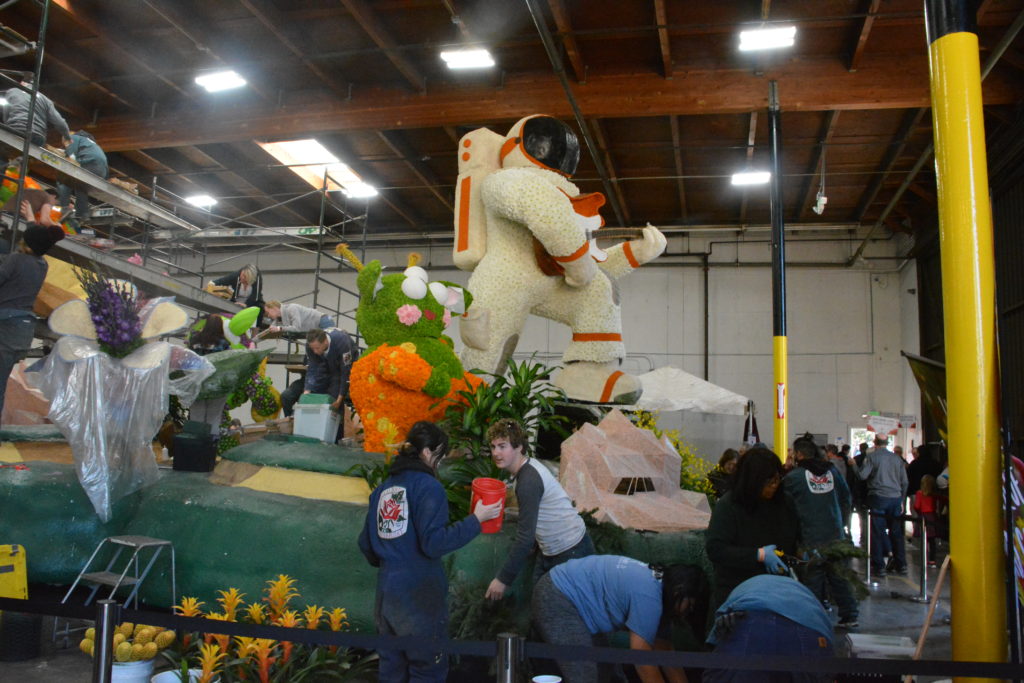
(527, 233)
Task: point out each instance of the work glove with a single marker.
(773, 564)
(726, 623)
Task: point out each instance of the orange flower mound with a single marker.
(386, 386)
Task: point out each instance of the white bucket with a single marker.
(546, 679)
(132, 672)
(175, 676)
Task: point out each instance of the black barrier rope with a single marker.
(667, 658)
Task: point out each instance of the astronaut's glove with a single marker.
(649, 247)
(726, 623)
(580, 272)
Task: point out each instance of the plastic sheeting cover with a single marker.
(668, 388)
(109, 409)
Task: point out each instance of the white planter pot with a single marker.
(132, 672)
(175, 676)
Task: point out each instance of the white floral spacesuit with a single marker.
(539, 259)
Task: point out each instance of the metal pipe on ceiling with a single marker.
(559, 69)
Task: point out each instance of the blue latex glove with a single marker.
(773, 564)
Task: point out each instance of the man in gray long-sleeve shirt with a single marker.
(46, 116)
(886, 475)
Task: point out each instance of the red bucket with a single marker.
(488, 490)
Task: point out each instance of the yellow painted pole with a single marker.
(968, 291)
(780, 372)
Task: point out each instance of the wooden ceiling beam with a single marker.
(857, 51)
(899, 142)
(678, 154)
(828, 130)
(572, 48)
(272, 20)
(224, 162)
(822, 85)
(601, 139)
(119, 41)
(396, 144)
(197, 35)
(664, 46)
(343, 150)
(370, 23)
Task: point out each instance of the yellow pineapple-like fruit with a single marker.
(127, 628)
(164, 639)
(137, 651)
(86, 646)
(90, 633)
(143, 636)
(149, 651)
(123, 653)
(118, 639)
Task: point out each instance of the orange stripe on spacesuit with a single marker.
(463, 233)
(507, 147)
(628, 251)
(609, 385)
(574, 255)
(596, 336)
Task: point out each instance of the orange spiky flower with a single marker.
(189, 607)
(289, 619)
(280, 592)
(312, 616)
(229, 601)
(256, 613)
(262, 650)
(222, 640)
(338, 619)
(209, 659)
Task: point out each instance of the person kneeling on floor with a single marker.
(580, 600)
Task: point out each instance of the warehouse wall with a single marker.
(846, 326)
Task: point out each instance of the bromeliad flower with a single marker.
(338, 619)
(289, 619)
(256, 612)
(210, 659)
(312, 616)
(230, 600)
(280, 592)
(222, 640)
(189, 607)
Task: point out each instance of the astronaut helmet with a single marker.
(542, 141)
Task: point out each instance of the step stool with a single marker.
(117, 575)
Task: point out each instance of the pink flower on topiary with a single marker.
(408, 314)
(447, 317)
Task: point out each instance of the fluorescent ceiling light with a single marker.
(467, 59)
(203, 201)
(221, 80)
(309, 160)
(751, 178)
(767, 38)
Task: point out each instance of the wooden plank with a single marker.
(812, 86)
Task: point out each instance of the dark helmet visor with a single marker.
(552, 143)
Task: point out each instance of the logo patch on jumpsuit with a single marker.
(819, 483)
(392, 512)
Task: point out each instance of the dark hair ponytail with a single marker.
(427, 435)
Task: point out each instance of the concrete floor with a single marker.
(889, 610)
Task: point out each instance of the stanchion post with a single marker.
(867, 535)
(107, 615)
(510, 657)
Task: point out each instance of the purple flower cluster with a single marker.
(114, 312)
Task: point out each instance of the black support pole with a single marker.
(778, 244)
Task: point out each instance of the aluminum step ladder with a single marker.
(132, 560)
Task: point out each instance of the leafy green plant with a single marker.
(608, 538)
(524, 393)
(373, 473)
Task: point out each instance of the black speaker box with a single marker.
(194, 452)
